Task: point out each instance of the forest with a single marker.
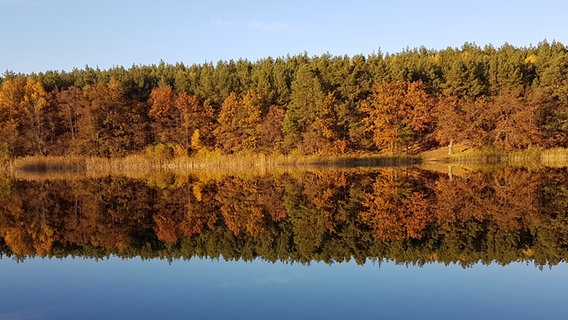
(505, 98)
(409, 216)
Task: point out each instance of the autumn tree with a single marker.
(36, 117)
(398, 115)
(25, 113)
(450, 121)
(325, 136)
(507, 121)
(180, 117)
(270, 130)
(197, 121)
(516, 115)
(478, 120)
(464, 120)
(71, 107)
(553, 120)
(238, 121)
(165, 116)
(11, 93)
(110, 127)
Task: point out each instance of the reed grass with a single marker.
(247, 161)
(40, 164)
(215, 162)
(178, 177)
(486, 156)
(205, 159)
(557, 157)
(531, 157)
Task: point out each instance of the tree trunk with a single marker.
(451, 147)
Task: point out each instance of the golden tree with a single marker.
(398, 115)
(24, 115)
(238, 122)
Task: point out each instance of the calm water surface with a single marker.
(358, 244)
(115, 288)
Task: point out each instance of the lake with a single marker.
(361, 243)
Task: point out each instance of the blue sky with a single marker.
(39, 35)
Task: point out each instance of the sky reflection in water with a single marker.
(115, 288)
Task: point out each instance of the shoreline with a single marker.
(557, 157)
(215, 161)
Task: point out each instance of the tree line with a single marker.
(505, 98)
(409, 216)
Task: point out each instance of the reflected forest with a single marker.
(405, 215)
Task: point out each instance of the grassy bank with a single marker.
(39, 164)
(245, 161)
(557, 157)
(529, 157)
(203, 160)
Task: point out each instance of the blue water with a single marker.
(206, 289)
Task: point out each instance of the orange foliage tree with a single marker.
(112, 126)
(71, 107)
(398, 115)
(166, 119)
(508, 120)
(324, 135)
(450, 121)
(516, 119)
(238, 120)
(270, 130)
(180, 118)
(25, 116)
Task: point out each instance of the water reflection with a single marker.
(203, 289)
(408, 216)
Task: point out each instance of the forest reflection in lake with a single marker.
(409, 216)
(327, 243)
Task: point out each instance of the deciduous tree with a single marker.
(398, 115)
(238, 121)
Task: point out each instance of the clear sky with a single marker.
(39, 35)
